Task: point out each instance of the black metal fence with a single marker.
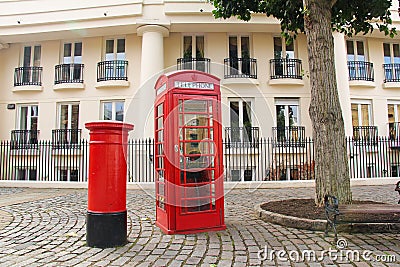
(286, 68)
(361, 70)
(201, 64)
(112, 70)
(68, 73)
(28, 76)
(392, 72)
(240, 68)
(267, 161)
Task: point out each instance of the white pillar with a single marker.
(152, 61)
(140, 111)
(342, 77)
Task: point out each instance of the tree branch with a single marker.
(333, 2)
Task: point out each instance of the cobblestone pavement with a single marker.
(50, 231)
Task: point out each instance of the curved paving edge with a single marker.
(5, 219)
(289, 221)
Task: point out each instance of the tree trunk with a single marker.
(331, 162)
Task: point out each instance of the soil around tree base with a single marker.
(304, 214)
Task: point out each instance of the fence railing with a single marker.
(66, 138)
(28, 76)
(392, 72)
(265, 162)
(68, 73)
(282, 68)
(361, 70)
(242, 136)
(112, 70)
(24, 138)
(240, 68)
(201, 64)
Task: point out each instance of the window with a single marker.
(113, 110)
(115, 49)
(355, 50)
(394, 119)
(32, 55)
(28, 117)
(239, 47)
(67, 175)
(193, 52)
(287, 120)
(238, 175)
(282, 49)
(72, 53)
(391, 56)
(68, 132)
(72, 60)
(26, 174)
(31, 64)
(361, 113)
(241, 128)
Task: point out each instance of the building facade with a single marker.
(64, 64)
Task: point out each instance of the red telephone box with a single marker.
(188, 153)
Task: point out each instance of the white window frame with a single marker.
(239, 43)
(69, 104)
(288, 102)
(355, 48)
(241, 101)
(284, 52)
(194, 43)
(113, 108)
(29, 115)
(32, 58)
(360, 102)
(73, 59)
(115, 48)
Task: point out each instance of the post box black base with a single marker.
(106, 230)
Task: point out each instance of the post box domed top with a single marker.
(187, 81)
(109, 125)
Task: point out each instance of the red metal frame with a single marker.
(188, 153)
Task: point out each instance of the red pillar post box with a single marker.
(106, 224)
(188, 153)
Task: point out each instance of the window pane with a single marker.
(293, 115)
(396, 52)
(233, 49)
(23, 118)
(386, 53)
(78, 50)
(67, 50)
(280, 116)
(391, 116)
(107, 111)
(119, 111)
(187, 46)
(64, 117)
(37, 55)
(246, 114)
(121, 46)
(109, 46)
(278, 47)
(290, 50)
(199, 46)
(27, 56)
(360, 48)
(365, 114)
(75, 117)
(354, 115)
(245, 47)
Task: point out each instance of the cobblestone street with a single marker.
(46, 227)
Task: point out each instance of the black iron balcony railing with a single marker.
(242, 137)
(68, 73)
(66, 138)
(286, 68)
(240, 68)
(392, 72)
(112, 70)
(394, 130)
(201, 64)
(289, 136)
(360, 71)
(22, 139)
(28, 76)
(365, 135)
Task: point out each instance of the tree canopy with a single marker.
(348, 16)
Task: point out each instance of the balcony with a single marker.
(236, 137)
(113, 73)
(24, 139)
(69, 76)
(365, 135)
(240, 68)
(361, 73)
(200, 64)
(289, 136)
(66, 138)
(392, 75)
(28, 79)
